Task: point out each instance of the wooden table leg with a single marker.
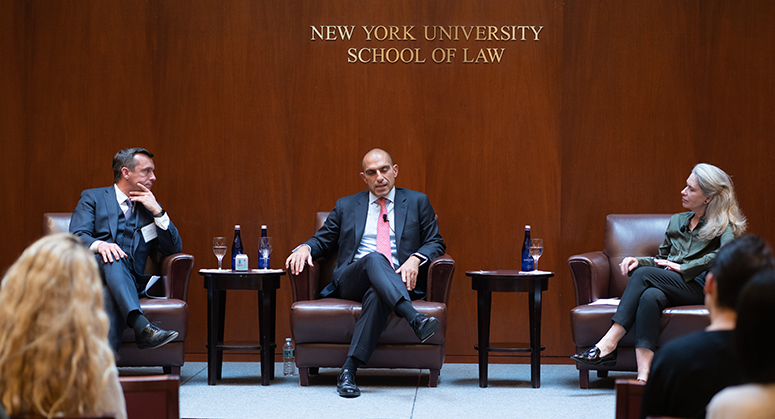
(484, 304)
(212, 333)
(272, 326)
(221, 303)
(534, 300)
(267, 354)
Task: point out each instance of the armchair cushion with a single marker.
(332, 320)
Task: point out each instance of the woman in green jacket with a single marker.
(676, 276)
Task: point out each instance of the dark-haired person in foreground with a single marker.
(689, 370)
(386, 238)
(754, 342)
(121, 224)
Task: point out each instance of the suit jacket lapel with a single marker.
(113, 210)
(142, 218)
(399, 216)
(361, 211)
(139, 221)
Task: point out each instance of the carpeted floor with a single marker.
(396, 394)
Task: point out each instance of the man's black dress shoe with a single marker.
(592, 357)
(345, 384)
(424, 327)
(151, 337)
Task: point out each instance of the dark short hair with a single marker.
(126, 158)
(738, 261)
(754, 337)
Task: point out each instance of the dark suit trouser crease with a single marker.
(649, 291)
(372, 281)
(121, 295)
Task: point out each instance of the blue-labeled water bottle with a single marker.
(527, 260)
(236, 247)
(264, 249)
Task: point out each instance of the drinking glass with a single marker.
(219, 248)
(536, 249)
(264, 249)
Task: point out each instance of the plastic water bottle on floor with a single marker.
(289, 358)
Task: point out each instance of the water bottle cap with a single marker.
(287, 339)
(236, 226)
(263, 226)
(527, 227)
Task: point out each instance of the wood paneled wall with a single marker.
(254, 123)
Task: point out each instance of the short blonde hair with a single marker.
(723, 209)
(54, 352)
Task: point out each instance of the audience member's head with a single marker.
(54, 353)
(735, 263)
(755, 332)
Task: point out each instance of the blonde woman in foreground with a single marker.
(54, 352)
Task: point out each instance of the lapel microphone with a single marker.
(384, 217)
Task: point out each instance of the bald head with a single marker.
(376, 153)
(379, 172)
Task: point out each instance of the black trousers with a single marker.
(649, 291)
(120, 295)
(376, 285)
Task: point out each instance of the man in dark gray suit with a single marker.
(386, 238)
(121, 224)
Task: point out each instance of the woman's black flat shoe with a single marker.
(592, 357)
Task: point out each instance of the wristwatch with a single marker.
(160, 214)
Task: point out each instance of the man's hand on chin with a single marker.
(145, 197)
(409, 271)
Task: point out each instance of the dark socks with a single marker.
(351, 364)
(136, 321)
(406, 310)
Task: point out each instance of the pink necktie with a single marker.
(383, 232)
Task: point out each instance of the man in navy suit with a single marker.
(386, 238)
(121, 224)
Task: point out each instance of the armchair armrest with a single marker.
(175, 275)
(440, 279)
(591, 276)
(305, 284)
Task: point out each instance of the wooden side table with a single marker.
(217, 282)
(487, 282)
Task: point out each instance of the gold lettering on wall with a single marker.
(405, 54)
(329, 33)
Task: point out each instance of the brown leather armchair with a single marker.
(323, 328)
(170, 313)
(596, 275)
